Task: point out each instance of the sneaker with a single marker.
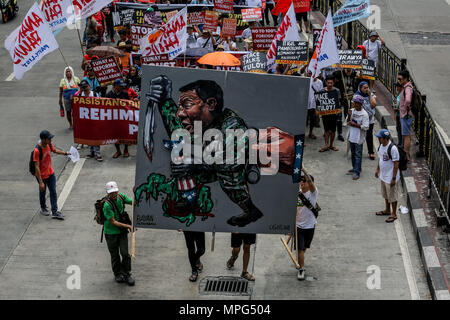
(341, 138)
(57, 215)
(301, 274)
(129, 280)
(120, 278)
(45, 212)
(355, 176)
(230, 262)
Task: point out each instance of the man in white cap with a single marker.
(116, 233)
(373, 45)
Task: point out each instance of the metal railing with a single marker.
(431, 144)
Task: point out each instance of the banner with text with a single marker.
(196, 18)
(351, 59)
(350, 11)
(106, 70)
(57, 13)
(158, 60)
(253, 14)
(368, 69)
(327, 102)
(292, 52)
(302, 5)
(138, 32)
(254, 62)
(86, 8)
(211, 21)
(224, 6)
(262, 37)
(228, 28)
(100, 121)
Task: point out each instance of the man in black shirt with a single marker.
(119, 92)
(330, 121)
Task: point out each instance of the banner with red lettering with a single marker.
(262, 37)
(225, 6)
(253, 14)
(106, 70)
(170, 14)
(158, 60)
(100, 121)
(288, 30)
(30, 42)
(137, 32)
(170, 38)
(57, 13)
(211, 21)
(229, 28)
(86, 8)
(302, 5)
(196, 17)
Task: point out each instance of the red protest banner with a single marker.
(253, 14)
(158, 60)
(170, 14)
(137, 32)
(100, 121)
(263, 37)
(302, 6)
(211, 21)
(223, 5)
(196, 17)
(106, 70)
(229, 27)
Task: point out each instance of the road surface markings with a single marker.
(10, 77)
(70, 182)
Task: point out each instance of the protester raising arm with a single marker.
(312, 186)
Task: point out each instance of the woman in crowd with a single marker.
(67, 88)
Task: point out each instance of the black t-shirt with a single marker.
(122, 95)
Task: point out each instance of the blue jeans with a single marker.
(49, 183)
(356, 150)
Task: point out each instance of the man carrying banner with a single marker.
(373, 45)
(330, 121)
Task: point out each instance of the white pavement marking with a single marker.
(448, 2)
(406, 260)
(10, 77)
(69, 183)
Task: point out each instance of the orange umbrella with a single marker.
(220, 58)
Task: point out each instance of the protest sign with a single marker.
(368, 69)
(30, 42)
(254, 3)
(171, 14)
(253, 14)
(350, 11)
(170, 38)
(158, 60)
(57, 13)
(211, 21)
(197, 201)
(223, 5)
(139, 31)
(195, 18)
(254, 62)
(228, 28)
(86, 8)
(262, 37)
(301, 5)
(106, 70)
(351, 59)
(100, 121)
(316, 34)
(292, 52)
(327, 102)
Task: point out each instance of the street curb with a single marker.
(435, 275)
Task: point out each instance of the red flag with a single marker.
(281, 6)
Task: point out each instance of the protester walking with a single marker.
(245, 240)
(373, 46)
(396, 109)
(388, 173)
(330, 121)
(92, 80)
(195, 243)
(44, 173)
(358, 122)
(369, 105)
(67, 88)
(306, 219)
(116, 228)
(406, 115)
(316, 86)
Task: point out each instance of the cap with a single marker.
(84, 83)
(373, 33)
(122, 44)
(220, 46)
(383, 133)
(111, 187)
(248, 40)
(45, 135)
(358, 99)
(119, 82)
(303, 178)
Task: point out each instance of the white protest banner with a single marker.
(350, 11)
(86, 8)
(326, 53)
(32, 40)
(170, 38)
(57, 13)
(288, 30)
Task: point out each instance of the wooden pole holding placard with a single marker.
(79, 38)
(133, 234)
(213, 241)
(65, 61)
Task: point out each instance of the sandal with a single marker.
(382, 213)
(126, 154)
(117, 154)
(230, 262)
(372, 156)
(324, 149)
(247, 276)
(99, 159)
(199, 266)
(333, 148)
(193, 277)
(391, 219)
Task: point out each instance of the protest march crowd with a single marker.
(245, 36)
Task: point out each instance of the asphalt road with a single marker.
(37, 251)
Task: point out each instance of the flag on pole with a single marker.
(31, 41)
(288, 31)
(326, 53)
(350, 11)
(57, 13)
(84, 9)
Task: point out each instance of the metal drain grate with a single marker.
(426, 38)
(231, 286)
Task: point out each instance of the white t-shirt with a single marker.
(201, 42)
(386, 164)
(247, 33)
(358, 135)
(372, 49)
(305, 217)
(317, 86)
(227, 46)
(191, 41)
